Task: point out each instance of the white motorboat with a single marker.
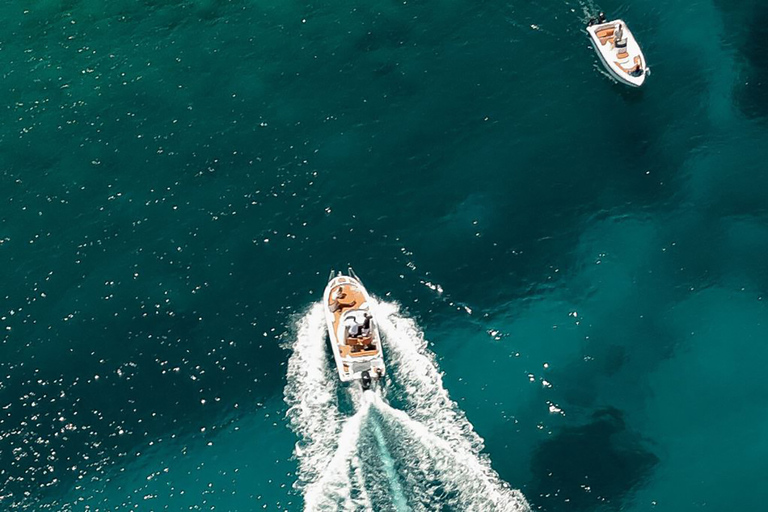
(352, 329)
(621, 55)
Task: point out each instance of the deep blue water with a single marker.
(587, 262)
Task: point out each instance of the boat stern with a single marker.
(351, 370)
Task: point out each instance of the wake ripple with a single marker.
(419, 383)
(311, 395)
(382, 458)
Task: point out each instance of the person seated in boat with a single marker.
(355, 330)
(637, 70)
(336, 303)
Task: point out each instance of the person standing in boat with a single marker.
(620, 42)
(366, 330)
(618, 33)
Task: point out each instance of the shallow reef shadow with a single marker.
(589, 467)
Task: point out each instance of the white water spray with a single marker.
(413, 367)
(382, 458)
(311, 395)
(589, 10)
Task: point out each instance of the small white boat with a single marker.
(621, 55)
(352, 329)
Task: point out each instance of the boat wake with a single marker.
(422, 455)
(589, 10)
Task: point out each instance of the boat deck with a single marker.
(352, 298)
(626, 62)
(605, 35)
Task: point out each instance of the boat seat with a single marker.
(360, 341)
(357, 348)
(364, 353)
(606, 32)
(628, 70)
(605, 35)
(622, 55)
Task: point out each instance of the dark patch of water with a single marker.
(590, 467)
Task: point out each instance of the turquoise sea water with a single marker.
(587, 262)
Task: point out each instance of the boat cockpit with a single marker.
(357, 339)
(359, 334)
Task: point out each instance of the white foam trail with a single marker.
(412, 366)
(469, 484)
(311, 394)
(326, 450)
(380, 458)
(336, 485)
(433, 417)
(588, 9)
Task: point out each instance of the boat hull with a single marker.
(354, 354)
(618, 64)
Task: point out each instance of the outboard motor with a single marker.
(365, 380)
(597, 21)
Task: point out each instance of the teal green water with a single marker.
(178, 178)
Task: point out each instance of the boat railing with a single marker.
(353, 275)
